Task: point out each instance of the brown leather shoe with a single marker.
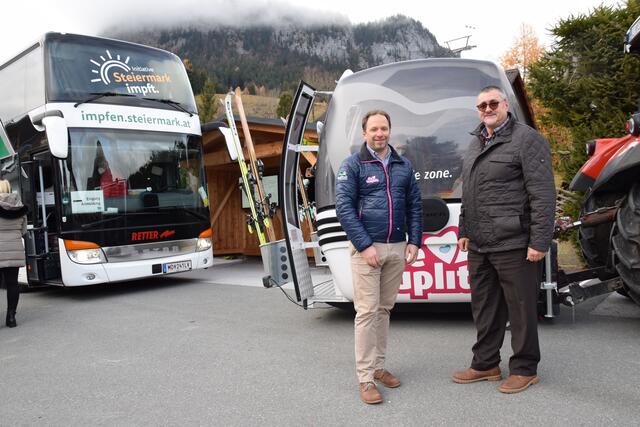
(471, 375)
(369, 393)
(386, 378)
(517, 383)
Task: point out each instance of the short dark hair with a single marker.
(496, 88)
(365, 118)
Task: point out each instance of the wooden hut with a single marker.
(228, 215)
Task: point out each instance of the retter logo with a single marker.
(106, 65)
(441, 268)
(167, 233)
(151, 235)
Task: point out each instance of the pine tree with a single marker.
(585, 82)
(209, 106)
(284, 104)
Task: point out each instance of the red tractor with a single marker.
(609, 227)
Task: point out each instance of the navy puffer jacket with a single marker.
(365, 191)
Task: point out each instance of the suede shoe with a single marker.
(471, 375)
(517, 383)
(369, 393)
(386, 378)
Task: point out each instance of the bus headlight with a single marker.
(84, 252)
(203, 244)
(204, 240)
(87, 256)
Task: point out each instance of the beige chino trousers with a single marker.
(374, 294)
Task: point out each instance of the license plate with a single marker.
(176, 267)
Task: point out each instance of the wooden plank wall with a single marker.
(230, 233)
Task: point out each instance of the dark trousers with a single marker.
(504, 286)
(9, 277)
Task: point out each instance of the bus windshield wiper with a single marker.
(100, 221)
(173, 103)
(98, 95)
(184, 209)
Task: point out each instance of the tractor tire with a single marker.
(595, 241)
(626, 243)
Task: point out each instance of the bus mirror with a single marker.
(57, 135)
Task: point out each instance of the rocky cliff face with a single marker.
(277, 56)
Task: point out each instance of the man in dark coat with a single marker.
(377, 203)
(506, 224)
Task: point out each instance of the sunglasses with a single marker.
(492, 104)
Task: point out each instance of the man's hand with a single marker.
(533, 255)
(410, 253)
(463, 244)
(370, 255)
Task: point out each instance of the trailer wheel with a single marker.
(626, 243)
(594, 241)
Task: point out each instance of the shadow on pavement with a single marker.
(81, 293)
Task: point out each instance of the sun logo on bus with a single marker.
(106, 65)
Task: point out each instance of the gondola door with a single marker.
(288, 191)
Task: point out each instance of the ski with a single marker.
(256, 219)
(263, 199)
(306, 207)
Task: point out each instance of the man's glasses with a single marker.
(492, 104)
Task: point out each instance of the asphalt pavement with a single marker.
(215, 348)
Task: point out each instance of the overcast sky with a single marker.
(492, 25)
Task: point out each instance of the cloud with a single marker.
(124, 15)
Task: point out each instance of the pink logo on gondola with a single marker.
(441, 268)
(372, 180)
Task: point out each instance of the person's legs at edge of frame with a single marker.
(391, 277)
(489, 316)
(10, 279)
(366, 299)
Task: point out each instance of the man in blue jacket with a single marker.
(378, 203)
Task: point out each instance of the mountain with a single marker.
(276, 57)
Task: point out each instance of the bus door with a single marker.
(41, 242)
(288, 191)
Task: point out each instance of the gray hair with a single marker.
(492, 88)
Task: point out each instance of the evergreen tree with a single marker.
(585, 82)
(209, 106)
(284, 104)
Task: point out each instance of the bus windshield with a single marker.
(115, 173)
(79, 67)
(432, 109)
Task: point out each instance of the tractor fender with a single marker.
(621, 171)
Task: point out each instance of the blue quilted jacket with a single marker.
(378, 204)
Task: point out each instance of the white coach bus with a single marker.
(106, 153)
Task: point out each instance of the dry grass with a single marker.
(254, 106)
(259, 106)
(568, 258)
(266, 106)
